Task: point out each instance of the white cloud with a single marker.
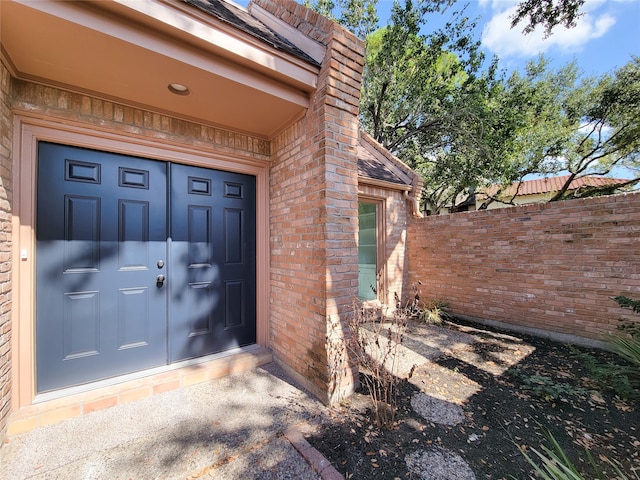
(500, 38)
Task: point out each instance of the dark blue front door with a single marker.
(140, 263)
(212, 270)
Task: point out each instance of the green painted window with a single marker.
(367, 251)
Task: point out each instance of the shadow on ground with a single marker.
(223, 427)
(508, 387)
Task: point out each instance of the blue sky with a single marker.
(604, 38)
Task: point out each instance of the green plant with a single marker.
(552, 463)
(434, 311)
(609, 376)
(627, 345)
(626, 302)
(628, 348)
(547, 388)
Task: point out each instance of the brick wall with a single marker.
(314, 215)
(313, 190)
(6, 179)
(547, 268)
(105, 115)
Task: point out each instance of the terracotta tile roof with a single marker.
(554, 184)
(238, 17)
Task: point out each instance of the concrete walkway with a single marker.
(242, 426)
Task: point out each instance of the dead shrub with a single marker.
(374, 341)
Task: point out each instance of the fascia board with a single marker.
(220, 36)
(158, 41)
(384, 184)
(312, 48)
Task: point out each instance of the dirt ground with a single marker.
(477, 399)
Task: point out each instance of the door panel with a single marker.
(105, 234)
(101, 228)
(212, 275)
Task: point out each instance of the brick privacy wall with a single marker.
(396, 260)
(6, 179)
(314, 216)
(551, 268)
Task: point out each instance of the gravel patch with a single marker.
(168, 435)
(437, 463)
(436, 410)
(431, 341)
(276, 460)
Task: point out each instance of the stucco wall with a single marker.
(548, 267)
(314, 215)
(6, 142)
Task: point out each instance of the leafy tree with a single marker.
(548, 13)
(425, 98)
(431, 100)
(605, 133)
(532, 126)
(359, 16)
(583, 127)
(353, 14)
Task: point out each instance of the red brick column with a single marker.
(6, 178)
(314, 215)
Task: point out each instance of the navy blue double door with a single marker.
(140, 263)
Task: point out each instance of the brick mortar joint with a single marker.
(27, 104)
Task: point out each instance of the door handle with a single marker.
(159, 280)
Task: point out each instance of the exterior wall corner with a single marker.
(6, 245)
(314, 215)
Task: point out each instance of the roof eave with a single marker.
(384, 184)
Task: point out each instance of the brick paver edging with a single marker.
(317, 461)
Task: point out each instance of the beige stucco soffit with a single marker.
(131, 50)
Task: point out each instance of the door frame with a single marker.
(28, 131)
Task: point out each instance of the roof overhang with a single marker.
(130, 51)
(362, 180)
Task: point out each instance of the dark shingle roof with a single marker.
(377, 163)
(241, 19)
(369, 166)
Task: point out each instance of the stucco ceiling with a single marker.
(131, 51)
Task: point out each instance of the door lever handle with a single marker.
(159, 280)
